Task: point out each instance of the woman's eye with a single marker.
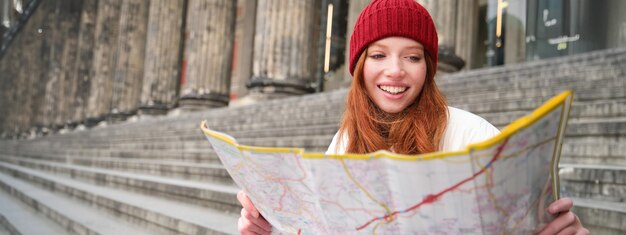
(414, 58)
(377, 56)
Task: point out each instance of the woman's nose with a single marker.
(395, 69)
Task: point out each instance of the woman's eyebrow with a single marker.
(418, 47)
(378, 45)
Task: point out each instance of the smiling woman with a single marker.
(394, 104)
(394, 73)
(393, 82)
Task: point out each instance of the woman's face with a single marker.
(394, 72)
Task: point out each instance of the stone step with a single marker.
(596, 150)
(598, 77)
(200, 155)
(603, 108)
(595, 109)
(158, 214)
(80, 219)
(531, 72)
(195, 142)
(171, 169)
(595, 76)
(597, 127)
(227, 125)
(601, 182)
(601, 217)
(582, 92)
(18, 218)
(208, 194)
(182, 138)
(609, 56)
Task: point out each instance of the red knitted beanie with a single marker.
(386, 18)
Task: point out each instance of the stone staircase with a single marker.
(158, 175)
(593, 160)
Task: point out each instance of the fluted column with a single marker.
(243, 48)
(467, 31)
(84, 70)
(355, 8)
(129, 65)
(444, 13)
(285, 47)
(162, 63)
(28, 94)
(208, 53)
(107, 28)
(61, 61)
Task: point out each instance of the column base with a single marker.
(449, 62)
(153, 110)
(264, 85)
(120, 116)
(93, 121)
(202, 102)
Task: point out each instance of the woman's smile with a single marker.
(394, 73)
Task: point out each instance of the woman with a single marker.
(394, 103)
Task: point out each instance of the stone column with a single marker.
(129, 65)
(355, 8)
(162, 63)
(84, 72)
(467, 31)
(107, 28)
(243, 48)
(444, 13)
(61, 61)
(208, 53)
(285, 47)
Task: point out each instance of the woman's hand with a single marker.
(251, 222)
(566, 222)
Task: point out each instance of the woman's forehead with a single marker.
(403, 42)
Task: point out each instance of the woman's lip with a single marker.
(392, 96)
(392, 84)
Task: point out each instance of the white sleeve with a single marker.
(333, 148)
(465, 128)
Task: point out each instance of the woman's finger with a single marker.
(259, 222)
(561, 222)
(248, 228)
(567, 231)
(247, 204)
(561, 205)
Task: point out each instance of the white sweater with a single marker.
(463, 128)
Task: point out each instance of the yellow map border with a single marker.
(506, 132)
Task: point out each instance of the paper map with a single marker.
(499, 186)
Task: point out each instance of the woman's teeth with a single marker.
(393, 89)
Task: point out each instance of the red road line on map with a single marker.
(280, 201)
(432, 198)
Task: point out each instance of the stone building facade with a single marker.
(68, 63)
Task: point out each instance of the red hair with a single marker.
(417, 129)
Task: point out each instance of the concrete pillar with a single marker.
(37, 111)
(162, 63)
(60, 57)
(285, 47)
(130, 56)
(84, 70)
(107, 28)
(208, 53)
(243, 48)
(355, 8)
(467, 31)
(445, 13)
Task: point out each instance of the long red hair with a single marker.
(417, 129)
